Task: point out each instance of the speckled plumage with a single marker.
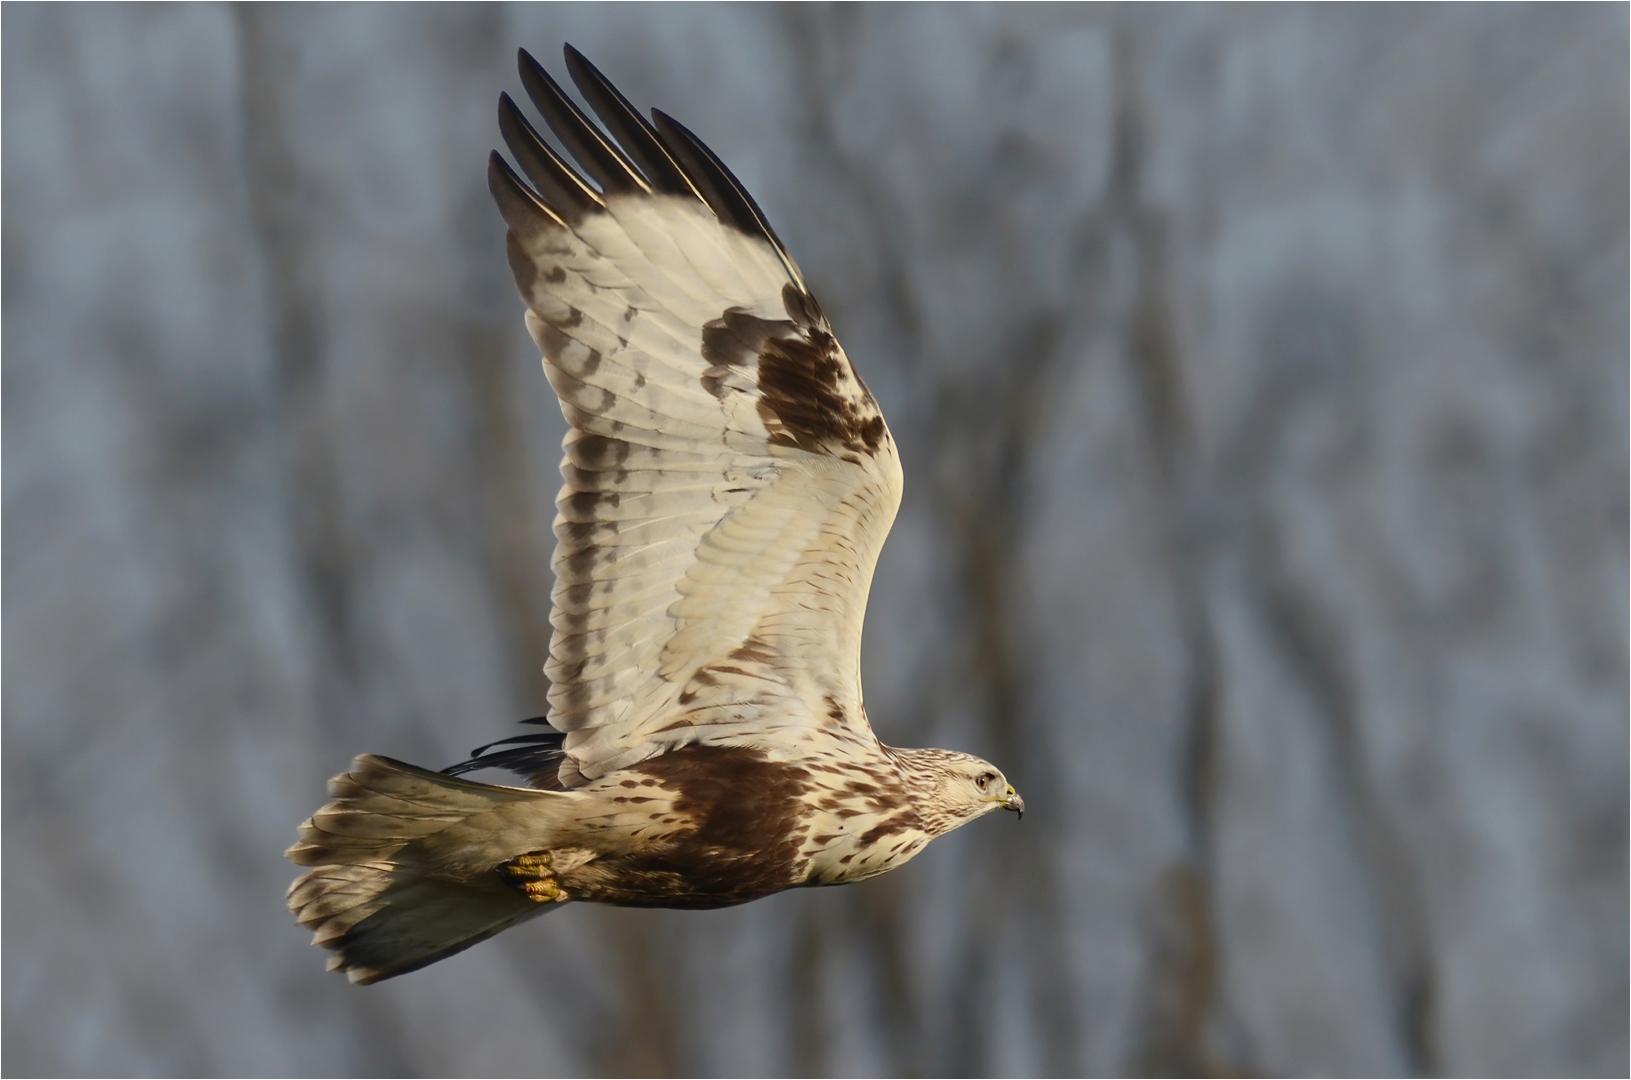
(728, 484)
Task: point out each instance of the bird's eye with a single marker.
(985, 780)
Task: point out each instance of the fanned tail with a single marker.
(404, 865)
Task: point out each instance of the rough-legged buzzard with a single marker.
(729, 482)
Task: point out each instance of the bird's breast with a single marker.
(859, 822)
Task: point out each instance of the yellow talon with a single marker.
(543, 892)
(533, 874)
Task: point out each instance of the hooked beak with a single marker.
(1014, 802)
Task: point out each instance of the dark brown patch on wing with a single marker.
(734, 340)
(754, 651)
(802, 308)
(810, 396)
(744, 841)
(811, 399)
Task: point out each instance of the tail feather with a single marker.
(404, 865)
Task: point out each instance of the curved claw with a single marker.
(533, 874)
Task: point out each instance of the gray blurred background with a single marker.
(1260, 376)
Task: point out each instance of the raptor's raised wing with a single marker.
(729, 479)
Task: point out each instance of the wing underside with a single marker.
(728, 478)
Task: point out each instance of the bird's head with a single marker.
(957, 788)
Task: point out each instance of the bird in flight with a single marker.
(728, 484)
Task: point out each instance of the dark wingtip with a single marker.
(555, 181)
(720, 188)
(499, 176)
(516, 202)
(658, 156)
(496, 168)
(596, 156)
(635, 136)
